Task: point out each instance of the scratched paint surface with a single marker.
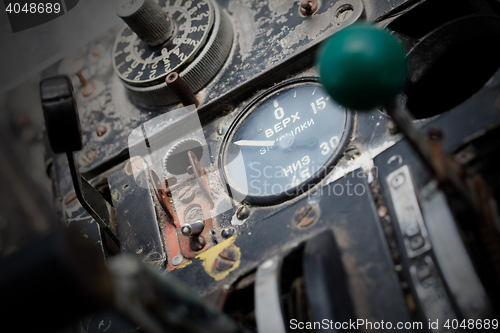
(267, 33)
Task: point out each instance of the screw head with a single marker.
(226, 259)
(343, 13)
(172, 77)
(186, 194)
(392, 127)
(88, 157)
(398, 180)
(101, 130)
(305, 216)
(222, 129)
(177, 260)
(136, 164)
(243, 212)
(197, 243)
(186, 230)
(226, 233)
(351, 153)
(308, 7)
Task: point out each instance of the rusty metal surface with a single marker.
(184, 202)
(268, 34)
(369, 141)
(118, 116)
(273, 42)
(108, 117)
(458, 127)
(135, 216)
(354, 222)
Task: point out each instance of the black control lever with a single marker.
(62, 124)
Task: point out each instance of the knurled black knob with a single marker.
(147, 19)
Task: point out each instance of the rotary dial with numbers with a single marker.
(190, 37)
(139, 64)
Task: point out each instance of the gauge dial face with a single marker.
(285, 140)
(141, 65)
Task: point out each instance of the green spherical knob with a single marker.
(362, 67)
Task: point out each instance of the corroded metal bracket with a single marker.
(184, 202)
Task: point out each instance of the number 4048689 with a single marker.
(471, 324)
(33, 8)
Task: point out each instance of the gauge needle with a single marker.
(255, 143)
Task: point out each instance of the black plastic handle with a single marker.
(62, 121)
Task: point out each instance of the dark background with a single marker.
(26, 203)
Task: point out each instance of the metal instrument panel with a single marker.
(267, 37)
(386, 249)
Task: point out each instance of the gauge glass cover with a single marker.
(285, 140)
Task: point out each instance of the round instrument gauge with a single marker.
(284, 142)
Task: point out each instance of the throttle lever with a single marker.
(62, 124)
(363, 67)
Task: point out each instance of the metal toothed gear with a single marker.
(176, 161)
(199, 42)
